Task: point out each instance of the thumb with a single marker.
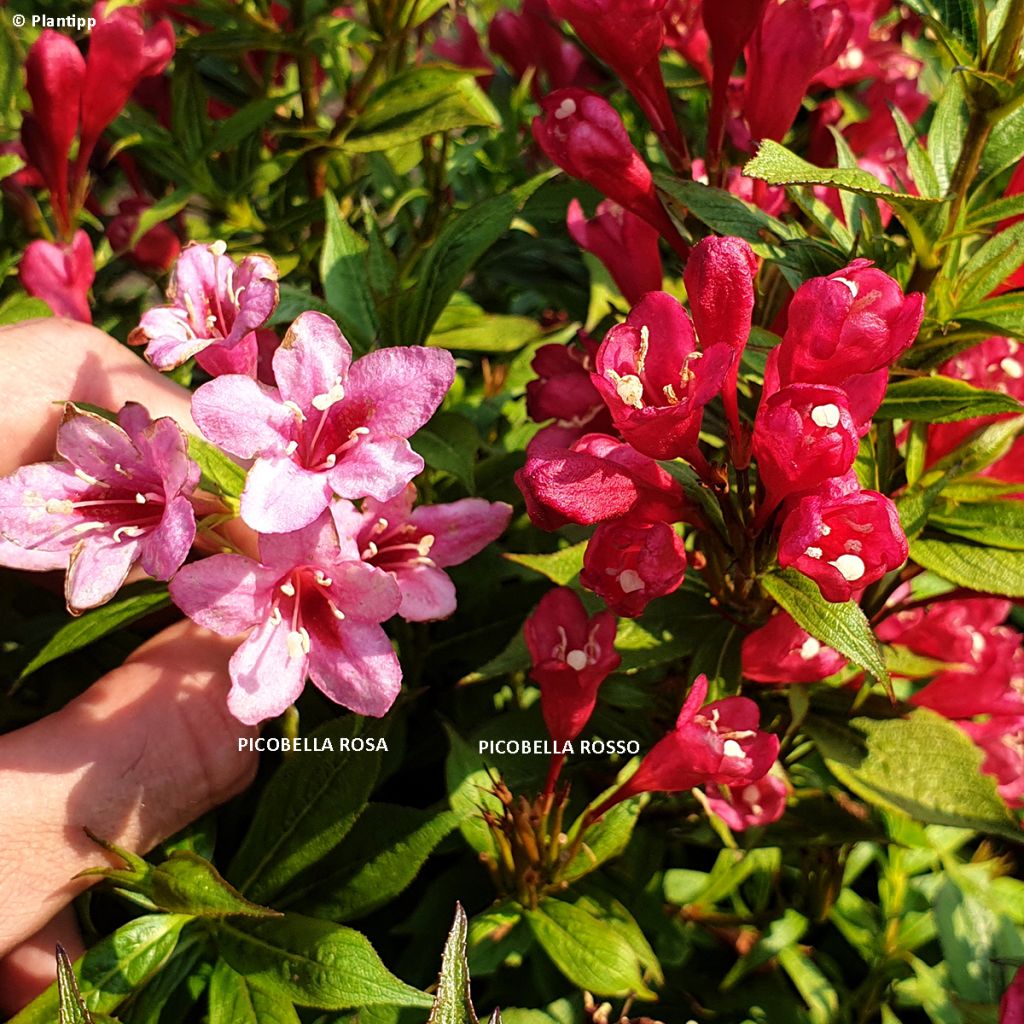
(146, 750)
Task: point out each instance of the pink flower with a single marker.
(623, 242)
(61, 275)
(720, 743)
(597, 480)
(330, 426)
(1011, 1008)
(656, 380)
(630, 562)
(119, 494)
(156, 250)
(463, 49)
(583, 134)
(803, 436)
(416, 545)
(781, 652)
(572, 656)
(216, 306)
(1002, 740)
(844, 544)
(314, 609)
(757, 803)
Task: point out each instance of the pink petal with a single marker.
(168, 336)
(14, 557)
(164, 447)
(219, 360)
(377, 468)
(226, 593)
(427, 593)
(24, 518)
(97, 570)
(96, 446)
(166, 548)
(462, 528)
(264, 679)
(364, 592)
(356, 668)
(281, 496)
(241, 415)
(255, 285)
(313, 544)
(312, 361)
(401, 387)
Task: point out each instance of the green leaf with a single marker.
(249, 120)
(942, 400)
(96, 624)
(163, 209)
(19, 307)
(343, 272)
(920, 163)
(306, 809)
(920, 765)
(449, 443)
(470, 792)
(114, 968)
(778, 166)
(10, 163)
(313, 963)
(992, 264)
(955, 15)
(843, 626)
(561, 567)
(376, 861)
(234, 999)
(72, 1009)
(947, 130)
(996, 524)
(421, 101)
(513, 658)
(220, 473)
(988, 570)
(587, 951)
(464, 326)
(604, 840)
(1003, 314)
(720, 210)
(453, 1002)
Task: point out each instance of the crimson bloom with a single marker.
(314, 608)
(844, 544)
(1001, 738)
(781, 652)
(61, 275)
(629, 563)
(756, 803)
(216, 306)
(1011, 1008)
(119, 494)
(572, 655)
(417, 544)
(330, 426)
(719, 743)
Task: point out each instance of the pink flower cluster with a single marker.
(328, 432)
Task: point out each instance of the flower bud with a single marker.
(781, 652)
(61, 275)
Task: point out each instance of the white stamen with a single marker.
(82, 475)
(298, 643)
(335, 393)
(645, 343)
(826, 415)
(813, 552)
(359, 432)
(118, 468)
(275, 616)
(127, 531)
(60, 506)
(566, 109)
(630, 581)
(576, 660)
(288, 589)
(324, 581)
(336, 611)
(330, 461)
(670, 394)
(140, 498)
(425, 544)
(732, 749)
(750, 793)
(629, 388)
(851, 567)
(1012, 368)
(852, 285)
(219, 247)
(296, 411)
(977, 643)
(825, 530)
(291, 447)
(809, 648)
(370, 551)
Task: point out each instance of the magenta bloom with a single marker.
(626, 244)
(1011, 1008)
(216, 306)
(597, 480)
(720, 743)
(843, 544)
(416, 545)
(656, 380)
(119, 494)
(314, 608)
(330, 426)
(630, 562)
(572, 656)
(61, 275)
(756, 803)
(1002, 740)
(781, 652)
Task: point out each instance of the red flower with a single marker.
(61, 275)
(156, 250)
(629, 564)
(756, 803)
(462, 48)
(1011, 1009)
(781, 652)
(572, 656)
(1002, 740)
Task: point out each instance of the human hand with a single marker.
(150, 746)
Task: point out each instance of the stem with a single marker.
(555, 769)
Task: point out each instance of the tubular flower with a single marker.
(572, 655)
(756, 803)
(781, 652)
(844, 544)
(584, 135)
(61, 275)
(628, 564)
(656, 380)
(119, 494)
(623, 242)
(216, 306)
(597, 480)
(719, 743)
(416, 545)
(330, 426)
(314, 608)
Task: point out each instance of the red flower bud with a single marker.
(843, 544)
(625, 244)
(572, 656)
(756, 803)
(655, 379)
(781, 652)
(156, 250)
(60, 275)
(629, 564)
